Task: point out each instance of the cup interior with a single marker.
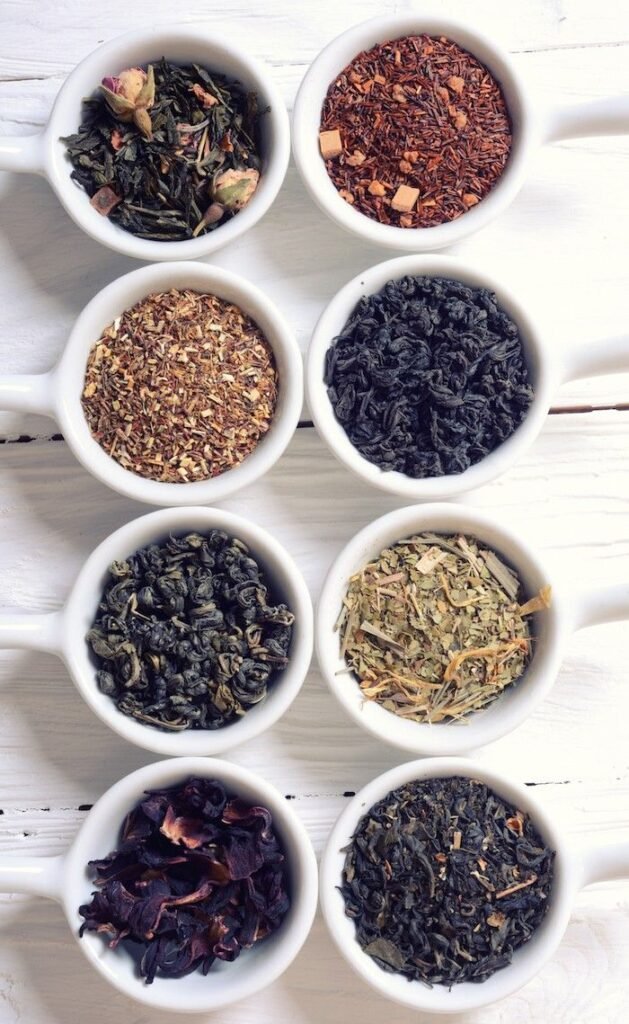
(179, 46)
(466, 995)
(480, 727)
(332, 322)
(226, 982)
(332, 61)
(285, 580)
(124, 293)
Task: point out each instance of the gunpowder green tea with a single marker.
(445, 881)
(437, 627)
(189, 633)
(168, 152)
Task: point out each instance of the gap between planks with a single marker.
(308, 424)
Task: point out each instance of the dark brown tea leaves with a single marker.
(428, 376)
(433, 628)
(168, 152)
(440, 884)
(188, 633)
(197, 876)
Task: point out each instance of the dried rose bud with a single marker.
(212, 215)
(130, 95)
(234, 189)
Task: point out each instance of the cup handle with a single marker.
(609, 355)
(28, 393)
(598, 605)
(609, 116)
(22, 153)
(35, 876)
(604, 864)
(31, 632)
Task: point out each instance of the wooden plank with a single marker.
(569, 496)
(568, 268)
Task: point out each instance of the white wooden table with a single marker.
(563, 245)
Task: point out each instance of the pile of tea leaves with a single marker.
(437, 627)
(188, 633)
(197, 876)
(445, 880)
(168, 152)
(428, 376)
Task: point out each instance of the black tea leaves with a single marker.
(428, 376)
(445, 880)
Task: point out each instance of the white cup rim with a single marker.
(67, 379)
(465, 996)
(79, 611)
(541, 365)
(126, 50)
(481, 727)
(331, 61)
(104, 820)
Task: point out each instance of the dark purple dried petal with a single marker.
(196, 879)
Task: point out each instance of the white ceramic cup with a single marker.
(532, 125)
(63, 633)
(58, 393)
(552, 629)
(45, 153)
(572, 871)
(549, 366)
(66, 879)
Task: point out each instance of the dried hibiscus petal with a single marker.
(197, 877)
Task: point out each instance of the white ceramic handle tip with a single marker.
(609, 116)
(605, 864)
(599, 605)
(24, 631)
(22, 153)
(28, 393)
(35, 876)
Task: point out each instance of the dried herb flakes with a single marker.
(445, 880)
(197, 876)
(434, 627)
(188, 633)
(181, 387)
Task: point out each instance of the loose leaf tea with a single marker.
(445, 880)
(415, 132)
(188, 633)
(181, 387)
(197, 876)
(434, 627)
(428, 376)
(168, 152)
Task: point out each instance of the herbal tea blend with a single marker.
(197, 876)
(415, 132)
(428, 376)
(168, 152)
(181, 387)
(445, 880)
(434, 628)
(189, 633)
